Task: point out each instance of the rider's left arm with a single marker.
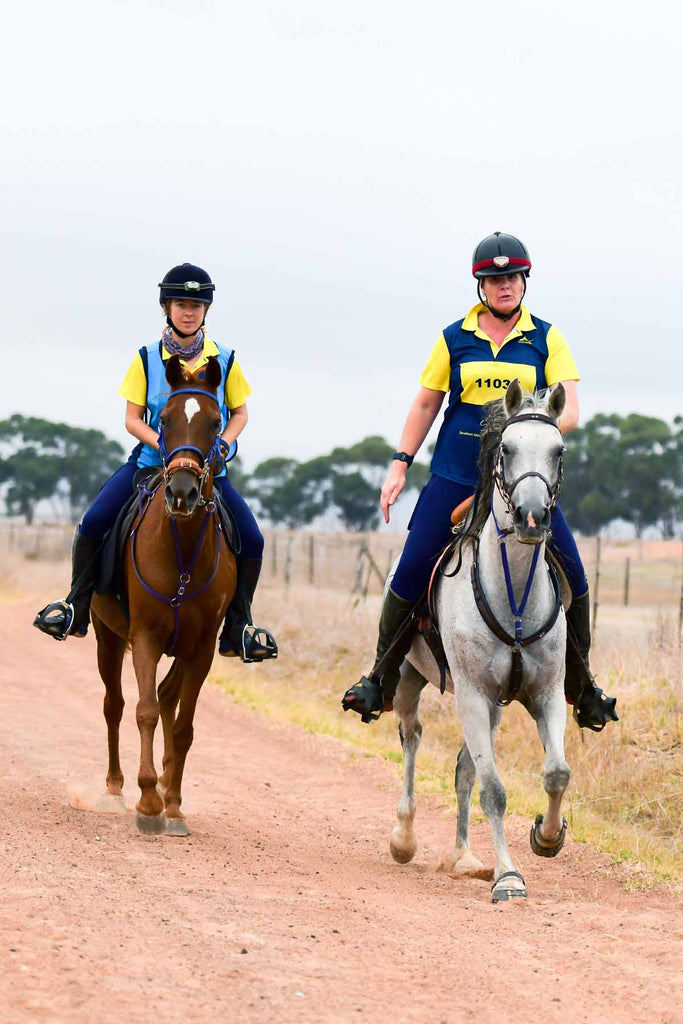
(236, 424)
(569, 419)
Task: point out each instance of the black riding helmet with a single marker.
(186, 281)
(496, 255)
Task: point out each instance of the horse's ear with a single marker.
(213, 373)
(557, 401)
(175, 372)
(512, 402)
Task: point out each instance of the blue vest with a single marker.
(158, 392)
(477, 377)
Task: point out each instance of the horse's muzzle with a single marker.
(531, 524)
(182, 494)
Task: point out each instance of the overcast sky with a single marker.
(332, 166)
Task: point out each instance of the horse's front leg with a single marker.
(193, 673)
(403, 843)
(480, 719)
(146, 654)
(549, 830)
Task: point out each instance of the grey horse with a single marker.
(514, 517)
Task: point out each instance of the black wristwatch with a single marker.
(403, 457)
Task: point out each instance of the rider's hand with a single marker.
(393, 485)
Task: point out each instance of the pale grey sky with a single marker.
(333, 166)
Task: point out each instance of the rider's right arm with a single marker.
(423, 412)
(135, 425)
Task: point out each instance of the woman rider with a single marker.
(475, 359)
(186, 293)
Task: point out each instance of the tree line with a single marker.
(616, 467)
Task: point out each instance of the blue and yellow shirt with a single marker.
(148, 388)
(466, 362)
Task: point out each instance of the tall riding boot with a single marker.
(239, 636)
(375, 693)
(592, 709)
(71, 617)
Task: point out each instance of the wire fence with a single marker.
(623, 573)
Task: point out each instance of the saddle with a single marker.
(146, 483)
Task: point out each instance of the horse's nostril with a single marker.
(192, 496)
(168, 493)
(545, 519)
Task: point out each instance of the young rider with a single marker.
(475, 359)
(186, 294)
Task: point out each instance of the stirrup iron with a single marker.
(56, 619)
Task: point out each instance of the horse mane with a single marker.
(492, 428)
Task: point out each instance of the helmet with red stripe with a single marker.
(499, 254)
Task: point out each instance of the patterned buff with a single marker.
(175, 348)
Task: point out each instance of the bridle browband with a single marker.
(504, 489)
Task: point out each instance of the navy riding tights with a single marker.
(430, 531)
(102, 514)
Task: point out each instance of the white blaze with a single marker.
(191, 408)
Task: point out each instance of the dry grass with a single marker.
(626, 793)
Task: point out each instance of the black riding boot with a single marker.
(239, 636)
(71, 617)
(374, 694)
(592, 709)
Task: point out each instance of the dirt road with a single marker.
(284, 904)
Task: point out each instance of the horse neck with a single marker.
(520, 561)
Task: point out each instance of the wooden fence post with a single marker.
(288, 560)
(627, 580)
(680, 618)
(596, 587)
(311, 559)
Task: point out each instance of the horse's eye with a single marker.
(217, 424)
(504, 449)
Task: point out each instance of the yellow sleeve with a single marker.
(236, 387)
(560, 363)
(134, 387)
(437, 373)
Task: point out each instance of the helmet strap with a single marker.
(493, 311)
(181, 334)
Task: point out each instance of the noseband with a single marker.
(171, 461)
(506, 490)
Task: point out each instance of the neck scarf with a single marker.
(184, 351)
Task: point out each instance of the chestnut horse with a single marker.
(179, 576)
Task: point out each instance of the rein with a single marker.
(516, 642)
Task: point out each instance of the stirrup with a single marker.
(257, 645)
(365, 698)
(56, 619)
(602, 709)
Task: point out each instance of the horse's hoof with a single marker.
(500, 892)
(176, 827)
(543, 847)
(403, 848)
(151, 824)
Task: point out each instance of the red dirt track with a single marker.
(284, 904)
